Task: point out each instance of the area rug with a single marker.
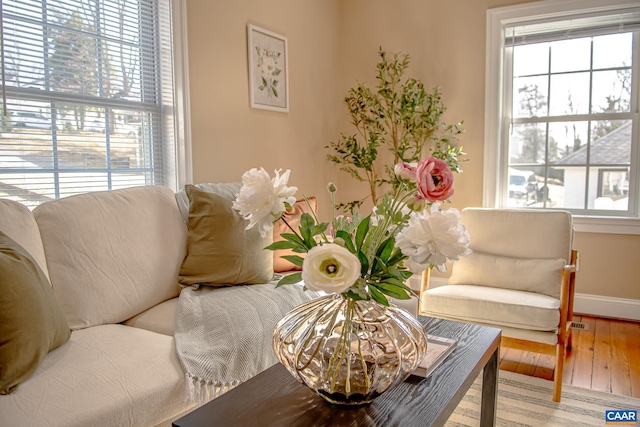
(526, 401)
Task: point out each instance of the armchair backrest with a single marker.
(523, 250)
(520, 233)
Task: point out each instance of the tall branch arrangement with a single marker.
(399, 115)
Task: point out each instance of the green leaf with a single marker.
(306, 225)
(275, 83)
(361, 232)
(377, 265)
(319, 229)
(353, 295)
(379, 297)
(385, 250)
(294, 238)
(294, 259)
(397, 282)
(264, 81)
(391, 290)
(406, 274)
(364, 262)
(275, 92)
(347, 240)
(277, 72)
(290, 279)
(396, 257)
(306, 221)
(281, 245)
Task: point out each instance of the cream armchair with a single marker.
(519, 278)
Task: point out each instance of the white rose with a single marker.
(433, 238)
(330, 268)
(262, 200)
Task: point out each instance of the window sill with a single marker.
(606, 225)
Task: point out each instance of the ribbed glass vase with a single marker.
(349, 352)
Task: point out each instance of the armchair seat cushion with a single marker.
(494, 306)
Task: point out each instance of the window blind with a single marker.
(87, 97)
(580, 25)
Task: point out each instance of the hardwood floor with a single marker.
(605, 357)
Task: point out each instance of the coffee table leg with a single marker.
(489, 392)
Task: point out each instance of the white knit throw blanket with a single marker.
(223, 335)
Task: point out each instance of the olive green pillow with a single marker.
(219, 250)
(31, 321)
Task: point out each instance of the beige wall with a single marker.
(446, 40)
(332, 45)
(228, 137)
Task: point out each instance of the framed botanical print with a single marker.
(268, 69)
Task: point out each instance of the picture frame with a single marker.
(268, 69)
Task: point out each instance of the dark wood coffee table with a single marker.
(275, 398)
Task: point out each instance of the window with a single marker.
(88, 97)
(562, 108)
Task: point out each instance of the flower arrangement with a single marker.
(364, 258)
(352, 344)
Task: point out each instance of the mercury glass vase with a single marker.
(349, 352)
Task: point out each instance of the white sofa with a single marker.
(113, 260)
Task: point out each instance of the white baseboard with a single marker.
(602, 306)
(587, 304)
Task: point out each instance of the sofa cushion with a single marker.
(543, 276)
(292, 216)
(220, 251)
(31, 321)
(112, 254)
(17, 222)
(160, 318)
(493, 306)
(110, 375)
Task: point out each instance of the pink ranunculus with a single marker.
(404, 170)
(435, 179)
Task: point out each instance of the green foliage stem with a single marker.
(399, 115)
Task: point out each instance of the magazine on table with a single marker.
(438, 348)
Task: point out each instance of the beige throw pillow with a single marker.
(31, 321)
(219, 249)
(543, 276)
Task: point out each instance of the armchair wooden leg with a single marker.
(557, 374)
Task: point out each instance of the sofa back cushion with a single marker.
(17, 222)
(112, 254)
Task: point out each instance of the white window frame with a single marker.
(496, 147)
(179, 170)
(184, 164)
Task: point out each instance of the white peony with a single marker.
(330, 268)
(261, 199)
(433, 238)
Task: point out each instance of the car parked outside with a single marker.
(27, 119)
(523, 185)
